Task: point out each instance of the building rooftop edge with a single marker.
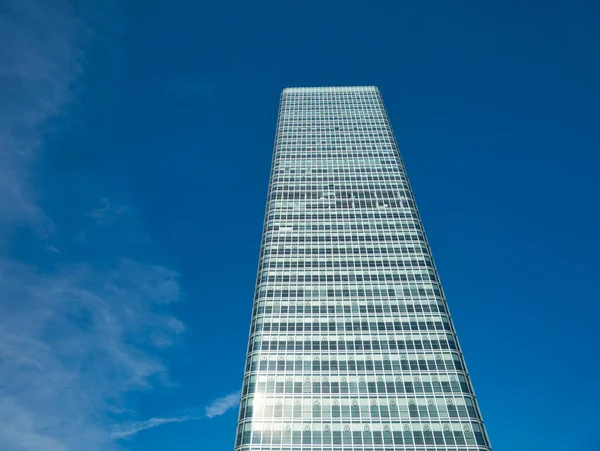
(330, 89)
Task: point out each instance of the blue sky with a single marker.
(135, 145)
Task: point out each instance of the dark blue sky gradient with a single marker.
(495, 106)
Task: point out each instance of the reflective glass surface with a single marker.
(351, 344)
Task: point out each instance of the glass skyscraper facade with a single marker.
(351, 344)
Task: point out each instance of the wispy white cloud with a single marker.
(41, 59)
(76, 340)
(218, 407)
(221, 405)
(133, 428)
(109, 212)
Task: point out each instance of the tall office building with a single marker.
(351, 345)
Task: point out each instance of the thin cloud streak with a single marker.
(222, 405)
(217, 408)
(134, 428)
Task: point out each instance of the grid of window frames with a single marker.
(351, 345)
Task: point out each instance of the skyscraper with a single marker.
(351, 344)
